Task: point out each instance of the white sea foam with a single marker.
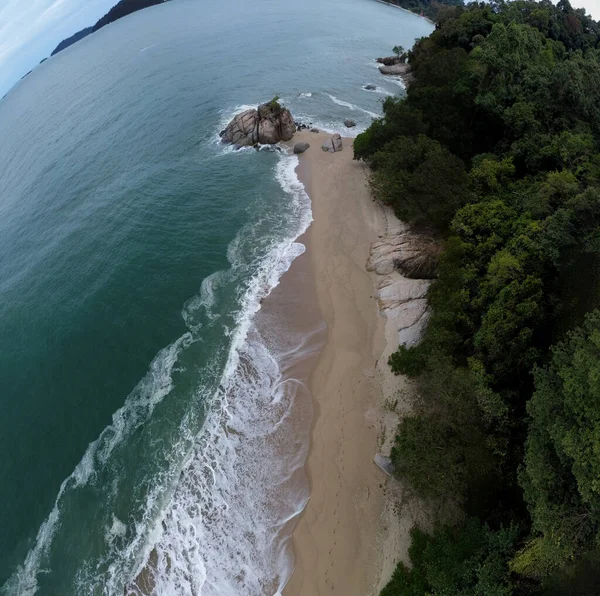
(379, 90)
(397, 81)
(220, 533)
(211, 524)
(138, 407)
(226, 117)
(305, 95)
(117, 529)
(332, 127)
(351, 106)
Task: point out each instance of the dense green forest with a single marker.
(496, 150)
(429, 8)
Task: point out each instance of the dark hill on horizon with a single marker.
(120, 10)
(65, 43)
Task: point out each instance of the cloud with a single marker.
(31, 29)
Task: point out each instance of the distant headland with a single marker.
(120, 10)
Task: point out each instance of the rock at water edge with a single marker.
(300, 148)
(242, 131)
(267, 125)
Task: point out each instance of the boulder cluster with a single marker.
(334, 144)
(268, 124)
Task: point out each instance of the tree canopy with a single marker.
(496, 149)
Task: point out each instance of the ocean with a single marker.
(147, 419)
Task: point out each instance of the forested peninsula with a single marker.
(427, 8)
(120, 10)
(496, 150)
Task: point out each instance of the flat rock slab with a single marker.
(395, 69)
(384, 463)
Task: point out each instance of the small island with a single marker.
(268, 124)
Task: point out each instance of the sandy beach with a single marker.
(336, 539)
(356, 525)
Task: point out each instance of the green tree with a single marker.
(468, 560)
(561, 475)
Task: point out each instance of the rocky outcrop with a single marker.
(268, 124)
(242, 131)
(390, 60)
(405, 263)
(415, 256)
(395, 69)
(398, 70)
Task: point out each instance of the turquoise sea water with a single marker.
(134, 252)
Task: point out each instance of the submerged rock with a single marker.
(267, 125)
(349, 123)
(370, 87)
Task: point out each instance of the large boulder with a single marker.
(268, 124)
(349, 123)
(336, 141)
(242, 131)
(334, 144)
(300, 148)
(395, 69)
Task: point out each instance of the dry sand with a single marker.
(349, 537)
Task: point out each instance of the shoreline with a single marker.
(336, 540)
(357, 521)
(406, 10)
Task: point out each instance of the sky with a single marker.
(592, 7)
(31, 29)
